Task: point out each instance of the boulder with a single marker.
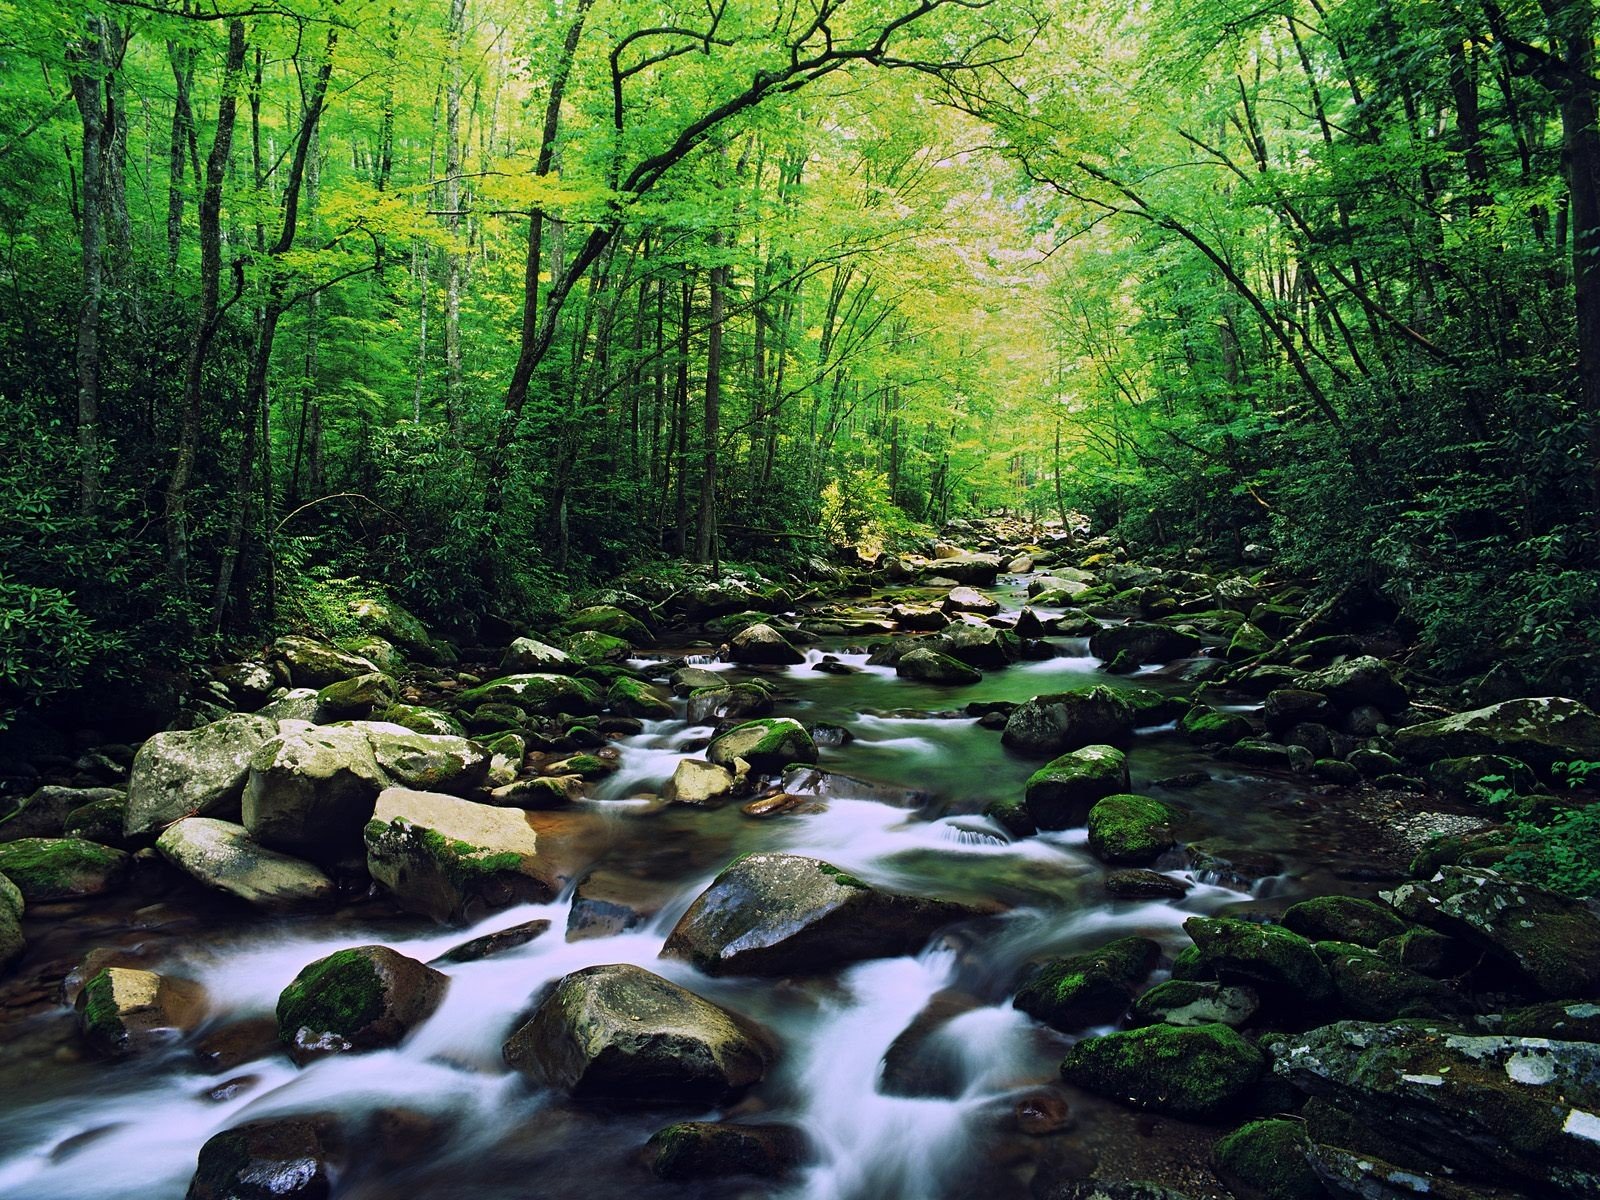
(44, 869)
(1060, 794)
(980, 646)
(356, 697)
(762, 644)
(920, 618)
(1282, 966)
(123, 1012)
(364, 998)
(429, 762)
(222, 855)
(44, 814)
(1088, 989)
(609, 619)
(1056, 723)
(380, 615)
(1357, 681)
(1189, 1002)
(313, 664)
(714, 1149)
(591, 648)
(1285, 708)
(1269, 1159)
(783, 914)
(621, 1033)
(1203, 1072)
(1129, 830)
(1343, 919)
(977, 570)
(544, 694)
(699, 783)
(100, 821)
(1370, 986)
(1540, 731)
(968, 599)
(635, 698)
(528, 656)
(193, 772)
(276, 1158)
(926, 665)
(728, 702)
(1498, 1108)
(12, 906)
(1143, 643)
(311, 790)
(1204, 725)
(608, 902)
(767, 744)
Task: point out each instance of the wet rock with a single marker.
(537, 693)
(222, 855)
(832, 785)
(1190, 1002)
(1369, 986)
(1088, 989)
(537, 793)
(124, 1012)
(1143, 643)
(634, 698)
(1040, 1114)
(1204, 725)
(1336, 772)
(1065, 721)
(1060, 794)
(1130, 830)
(967, 599)
(1202, 1073)
(1553, 942)
(1288, 707)
(925, 665)
(452, 859)
(1265, 755)
(356, 697)
(1281, 965)
(277, 1158)
(699, 783)
(44, 869)
(44, 814)
(780, 804)
(1012, 816)
(231, 1045)
(1520, 1110)
(607, 902)
(1233, 866)
(1268, 1159)
(1429, 952)
(762, 644)
(1343, 919)
(1539, 731)
(713, 1150)
(919, 618)
(783, 914)
(767, 744)
(491, 944)
(529, 656)
(1344, 1173)
(193, 772)
(621, 1033)
(980, 646)
(1358, 681)
(311, 789)
(364, 998)
(611, 620)
(1134, 884)
(313, 664)
(729, 702)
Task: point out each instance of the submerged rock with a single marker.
(1088, 989)
(193, 772)
(1202, 1073)
(619, 1032)
(364, 998)
(783, 914)
(714, 1149)
(222, 855)
(276, 1158)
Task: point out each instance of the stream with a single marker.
(459, 1124)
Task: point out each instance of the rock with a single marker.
(123, 1012)
(1285, 708)
(1539, 731)
(222, 855)
(1201, 1073)
(430, 762)
(1063, 721)
(967, 599)
(591, 648)
(1357, 681)
(356, 697)
(1143, 643)
(1060, 794)
(528, 656)
(1269, 1159)
(728, 702)
(276, 1158)
(1088, 989)
(782, 914)
(44, 814)
(12, 906)
(696, 782)
(1282, 966)
(298, 704)
(1011, 815)
(539, 792)
(925, 665)
(1204, 725)
(99, 821)
(1476, 776)
(364, 998)
(712, 1150)
(1369, 986)
(920, 618)
(452, 859)
(1553, 942)
(609, 902)
(832, 785)
(609, 619)
(634, 698)
(978, 570)
(1521, 1110)
(311, 790)
(44, 869)
(763, 644)
(1343, 919)
(621, 1033)
(544, 694)
(1133, 884)
(1129, 830)
(1265, 755)
(1190, 1002)
(492, 944)
(193, 772)
(1248, 641)
(313, 664)
(767, 744)
(980, 646)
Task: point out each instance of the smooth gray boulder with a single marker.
(311, 791)
(222, 855)
(193, 772)
(762, 644)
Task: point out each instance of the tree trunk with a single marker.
(87, 61)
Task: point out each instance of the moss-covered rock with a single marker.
(1204, 725)
(310, 663)
(635, 698)
(714, 1149)
(1204, 1073)
(1475, 777)
(431, 762)
(1088, 989)
(1130, 830)
(926, 665)
(724, 701)
(544, 694)
(1285, 708)
(364, 998)
(1343, 919)
(761, 644)
(61, 868)
(1281, 965)
(1539, 731)
(1371, 987)
(1144, 643)
(1060, 794)
(1151, 707)
(276, 1158)
(609, 619)
(12, 906)
(1012, 816)
(591, 648)
(193, 772)
(356, 697)
(1064, 721)
(1187, 1002)
(1355, 682)
(99, 821)
(1268, 1159)
(529, 656)
(123, 1012)
(1248, 641)
(767, 744)
(980, 646)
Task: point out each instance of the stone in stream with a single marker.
(609, 619)
(311, 789)
(1523, 1111)
(969, 599)
(123, 1012)
(762, 644)
(44, 869)
(1060, 794)
(12, 906)
(223, 855)
(491, 944)
(926, 665)
(1129, 830)
(976, 570)
(1268, 1159)
(1063, 721)
(1204, 725)
(1343, 919)
(980, 646)
(784, 914)
(729, 702)
(364, 998)
(1135, 884)
(608, 902)
(635, 698)
(1188, 1002)
(544, 694)
(687, 680)
(699, 783)
(1203, 1072)
(1357, 681)
(714, 1149)
(1287, 707)
(1282, 966)
(1088, 989)
(193, 772)
(1539, 731)
(919, 618)
(529, 656)
(620, 1032)
(276, 1158)
(767, 744)
(831, 785)
(453, 859)
(1143, 643)
(590, 648)
(313, 664)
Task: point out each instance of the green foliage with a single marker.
(858, 513)
(1558, 846)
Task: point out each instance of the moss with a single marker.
(1201, 1072)
(59, 868)
(463, 860)
(1282, 964)
(1012, 816)
(1129, 830)
(1373, 988)
(1088, 989)
(340, 994)
(1269, 1158)
(843, 878)
(1189, 963)
(1343, 919)
(102, 1022)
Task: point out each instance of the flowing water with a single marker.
(460, 1125)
